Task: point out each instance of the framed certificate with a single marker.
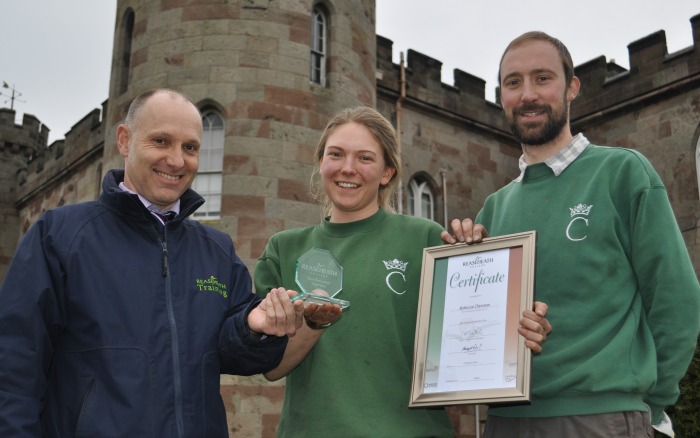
(467, 347)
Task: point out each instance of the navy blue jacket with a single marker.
(113, 325)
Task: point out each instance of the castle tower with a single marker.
(18, 144)
(267, 74)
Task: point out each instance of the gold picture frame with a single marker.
(467, 347)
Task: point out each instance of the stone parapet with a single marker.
(606, 87)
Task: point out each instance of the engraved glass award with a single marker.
(318, 270)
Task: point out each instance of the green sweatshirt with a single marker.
(624, 301)
(356, 381)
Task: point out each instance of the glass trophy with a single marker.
(317, 270)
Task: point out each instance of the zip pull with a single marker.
(165, 258)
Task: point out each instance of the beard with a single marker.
(536, 134)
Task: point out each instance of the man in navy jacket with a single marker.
(115, 322)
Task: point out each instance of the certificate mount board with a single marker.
(467, 348)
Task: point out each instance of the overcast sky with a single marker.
(57, 53)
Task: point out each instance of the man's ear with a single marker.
(123, 138)
(574, 87)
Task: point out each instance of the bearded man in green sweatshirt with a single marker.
(623, 298)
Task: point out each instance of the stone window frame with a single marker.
(209, 180)
(318, 55)
(123, 58)
(421, 198)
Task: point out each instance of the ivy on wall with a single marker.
(685, 414)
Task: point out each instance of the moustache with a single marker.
(532, 108)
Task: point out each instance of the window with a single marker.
(98, 180)
(420, 199)
(319, 33)
(208, 182)
(124, 52)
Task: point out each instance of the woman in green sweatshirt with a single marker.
(353, 379)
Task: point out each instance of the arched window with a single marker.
(319, 45)
(208, 182)
(124, 54)
(420, 199)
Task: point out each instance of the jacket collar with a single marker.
(127, 204)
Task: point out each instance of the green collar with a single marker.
(349, 228)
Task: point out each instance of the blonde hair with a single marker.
(382, 131)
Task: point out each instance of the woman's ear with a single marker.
(388, 174)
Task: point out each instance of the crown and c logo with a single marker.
(395, 264)
(580, 212)
(580, 209)
(397, 267)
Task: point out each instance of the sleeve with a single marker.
(434, 233)
(267, 270)
(242, 352)
(669, 289)
(30, 318)
(483, 217)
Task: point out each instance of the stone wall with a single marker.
(450, 135)
(250, 61)
(66, 172)
(19, 143)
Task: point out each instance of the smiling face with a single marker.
(352, 170)
(535, 96)
(161, 148)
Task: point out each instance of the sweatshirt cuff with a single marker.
(657, 413)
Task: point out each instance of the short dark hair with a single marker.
(564, 54)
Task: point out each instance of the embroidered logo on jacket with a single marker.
(395, 279)
(577, 228)
(211, 284)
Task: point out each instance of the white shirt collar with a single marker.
(146, 203)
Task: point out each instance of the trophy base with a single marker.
(321, 299)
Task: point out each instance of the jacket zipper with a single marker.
(174, 344)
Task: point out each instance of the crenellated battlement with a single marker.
(25, 139)
(605, 86)
(465, 99)
(48, 165)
